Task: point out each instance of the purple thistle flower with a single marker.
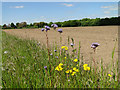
(46, 30)
(42, 29)
(72, 44)
(54, 26)
(56, 57)
(60, 30)
(51, 54)
(94, 45)
(55, 50)
(47, 27)
(45, 67)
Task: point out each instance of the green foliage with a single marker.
(12, 25)
(70, 23)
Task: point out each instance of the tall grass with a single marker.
(24, 60)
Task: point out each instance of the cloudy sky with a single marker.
(55, 11)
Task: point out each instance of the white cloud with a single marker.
(106, 6)
(17, 7)
(106, 12)
(112, 7)
(115, 8)
(68, 5)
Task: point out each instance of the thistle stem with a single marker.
(48, 51)
(49, 57)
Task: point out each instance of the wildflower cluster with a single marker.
(46, 28)
(86, 68)
(72, 71)
(59, 67)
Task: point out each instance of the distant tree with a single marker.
(12, 25)
(36, 25)
(41, 24)
(59, 24)
(50, 23)
(4, 26)
(31, 24)
(24, 24)
(17, 25)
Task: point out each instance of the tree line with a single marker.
(69, 23)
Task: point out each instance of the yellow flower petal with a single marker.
(77, 70)
(74, 68)
(64, 47)
(85, 68)
(70, 71)
(109, 75)
(60, 64)
(73, 73)
(88, 68)
(75, 60)
(85, 65)
(67, 71)
(65, 57)
(56, 68)
(61, 69)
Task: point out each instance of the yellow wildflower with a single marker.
(77, 70)
(64, 47)
(85, 65)
(67, 71)
(86, 68)
(77, 65)
(65, 57)
(60, 64)
(74, 68)
(73, 73)
(70, 71)
(57, 68)
(61, 69)
(109, 75)
(75, 60)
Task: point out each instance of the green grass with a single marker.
(23, 67)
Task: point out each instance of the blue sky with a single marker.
(31, 12)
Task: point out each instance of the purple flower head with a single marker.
(47, 27)
(42, 29)
(46, 30)
(72, 44)
(60, 30)
(55, 50)
(56, 57)
(45, 67)
(51, 54)
(94, 45)
(54, 26)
